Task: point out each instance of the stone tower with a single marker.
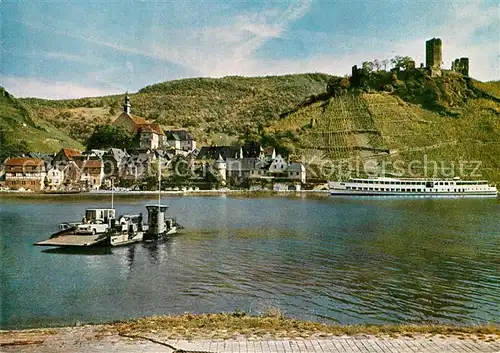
(434, 55)
(461, 66)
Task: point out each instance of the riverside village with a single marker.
(173, 152)
(175, 156)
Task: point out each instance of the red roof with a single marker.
(92, 163)
(137, 119)
(157, 128)
(24, 162)
(142, 124)
(151, 127)
(146, 128)
(69, 153)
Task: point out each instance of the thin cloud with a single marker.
(70, 57)
(151, 53)
(298, 10)
(32, 87)
(237, 55)
(232, 43)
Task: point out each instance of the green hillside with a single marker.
(491, 87)
(21, 130)
(215, 110)
(444, 121)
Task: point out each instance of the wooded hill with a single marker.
(214, 110)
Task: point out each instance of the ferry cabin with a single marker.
(391, 186)
(102, 214)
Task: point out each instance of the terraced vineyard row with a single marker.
(384, 131)
(335, 132)
(437, 145)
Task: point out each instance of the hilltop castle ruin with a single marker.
(434, 58)
(404, 68)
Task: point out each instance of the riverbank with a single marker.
(226, 332)
(148, 194)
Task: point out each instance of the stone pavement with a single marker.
(343, 344)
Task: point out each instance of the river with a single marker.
(334, 260)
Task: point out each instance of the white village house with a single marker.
(180, 140)
(55, 178)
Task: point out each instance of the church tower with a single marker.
(126, 104)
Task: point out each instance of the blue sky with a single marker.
(62, 49)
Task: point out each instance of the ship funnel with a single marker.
(156, 220)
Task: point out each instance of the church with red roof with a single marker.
(151, 134)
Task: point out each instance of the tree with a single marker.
(337, 86)
(106, 136)
(377, 65)
(367, 66)
(2, 138)
(402, 62)
(385, 63)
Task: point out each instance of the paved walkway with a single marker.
(117, 344)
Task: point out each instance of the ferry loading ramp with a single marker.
(73, 240)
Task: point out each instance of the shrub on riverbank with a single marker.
(273, 324)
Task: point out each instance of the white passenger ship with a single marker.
(412, 187)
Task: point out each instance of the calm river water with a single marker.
(335, 260)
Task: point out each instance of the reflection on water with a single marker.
(333, 260)
(80, 251)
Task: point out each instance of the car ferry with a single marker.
(412, 187)
(101, 227)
